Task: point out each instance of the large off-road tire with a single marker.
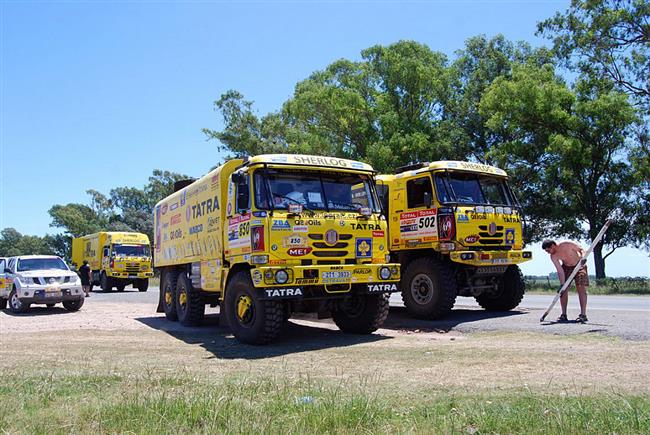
(74, 305)
(168, 293)
(428, 288)
(3, 304)
(15, 304)
(190, 306)
(106, 283)
(361, 314)
(120, 286)
(509, 293)
(143, 284)
(251, 319)
(50, 305)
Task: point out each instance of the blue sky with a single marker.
(96, 95)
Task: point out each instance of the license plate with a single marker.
(52, 290)
(53, 294)
(499, 255)
(337, 274)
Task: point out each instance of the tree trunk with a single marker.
(599, 261)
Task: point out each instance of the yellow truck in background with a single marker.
(456, 229)
(272, 235)
(116, 259)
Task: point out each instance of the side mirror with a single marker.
(7, 270)
(427, 199)
(238, 177)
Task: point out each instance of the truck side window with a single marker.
(415, 190)
(243, 195)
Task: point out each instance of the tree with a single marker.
(387, 109)
(608, 38)
(13, 243)
(569, 152)
(475, 68)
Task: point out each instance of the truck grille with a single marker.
(487, 239)
(132, 269)
(323, 250)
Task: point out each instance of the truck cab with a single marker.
(272, 235)
(457, 230)
(116, 259)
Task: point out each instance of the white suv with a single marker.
(39, 279)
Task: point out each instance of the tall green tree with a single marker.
(609, 38)
(569, 151)
(13, 243)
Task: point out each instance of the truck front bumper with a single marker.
(325, 275)
(490, 258)
(127, 275)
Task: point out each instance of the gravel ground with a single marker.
(624, 317)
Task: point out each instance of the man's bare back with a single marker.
(567, 252)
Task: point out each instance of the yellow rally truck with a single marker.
(456, 229)
(272, 235)
(116, 259)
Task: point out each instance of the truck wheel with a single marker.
(73, 305)
(361, 314)
(15, 304)
(251, 320)
(143, 285)
(509, 294)
(428, 288)
(105, 283)
(3, 304)
(50, 305)
(190, 306)
(120, 287)
(168, 294)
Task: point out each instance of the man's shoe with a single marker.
(562, 319)
(582, 319)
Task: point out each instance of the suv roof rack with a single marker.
(411, 167)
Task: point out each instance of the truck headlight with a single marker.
(384, 273)
(281, 276)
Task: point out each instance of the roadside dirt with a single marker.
(115, 338)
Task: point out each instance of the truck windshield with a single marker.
(316, 190)
(27, 264)
(131, 250)
(472, 188)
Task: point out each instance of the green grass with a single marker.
(606, 286)
(185, 404)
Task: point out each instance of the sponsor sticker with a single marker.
(382, 288)
(419, 224)
(363, 247)
(294, 241)
(510, 236)
(257, 234)
(463, 218)
(280, 225)
(472, 239)
(298, 252)
(283, 292)
(378, 233)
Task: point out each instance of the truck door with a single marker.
(417, 223)
(239, 220)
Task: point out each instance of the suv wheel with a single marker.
(15, 304)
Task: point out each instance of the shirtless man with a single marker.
(565, 256)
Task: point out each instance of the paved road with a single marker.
(627, 317)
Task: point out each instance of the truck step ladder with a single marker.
(582, 262)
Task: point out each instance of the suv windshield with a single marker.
(27, 264)
(131, 250)
(472, 188)
(316, 190)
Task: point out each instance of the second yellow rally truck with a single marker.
(456, 229)
(116, 259)
(271, 235)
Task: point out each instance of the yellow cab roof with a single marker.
(307, 160)
(126, 237)
(452, 165)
